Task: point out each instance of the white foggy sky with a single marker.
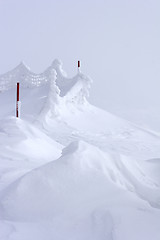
(117, 41)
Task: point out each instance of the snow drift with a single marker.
(85, 188)
(105, 185)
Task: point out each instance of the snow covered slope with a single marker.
(23, 147)
(106, 183)
(58, 105)
(86, 194)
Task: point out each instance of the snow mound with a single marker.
(78, 183)
(25, 141)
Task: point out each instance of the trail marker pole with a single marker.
(17, 102)
(79, 65)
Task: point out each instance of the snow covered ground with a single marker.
(69, 170)
(145, 116)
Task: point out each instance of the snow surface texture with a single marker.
(69, 170)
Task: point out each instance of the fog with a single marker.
(118, 43)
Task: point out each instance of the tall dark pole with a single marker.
(17, 110)
(79, 65)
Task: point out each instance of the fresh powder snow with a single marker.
(69, 170)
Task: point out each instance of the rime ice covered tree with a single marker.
(54, 92)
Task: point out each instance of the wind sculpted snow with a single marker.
(103, 185)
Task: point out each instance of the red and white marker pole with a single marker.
(79, 65)
(17, 102)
